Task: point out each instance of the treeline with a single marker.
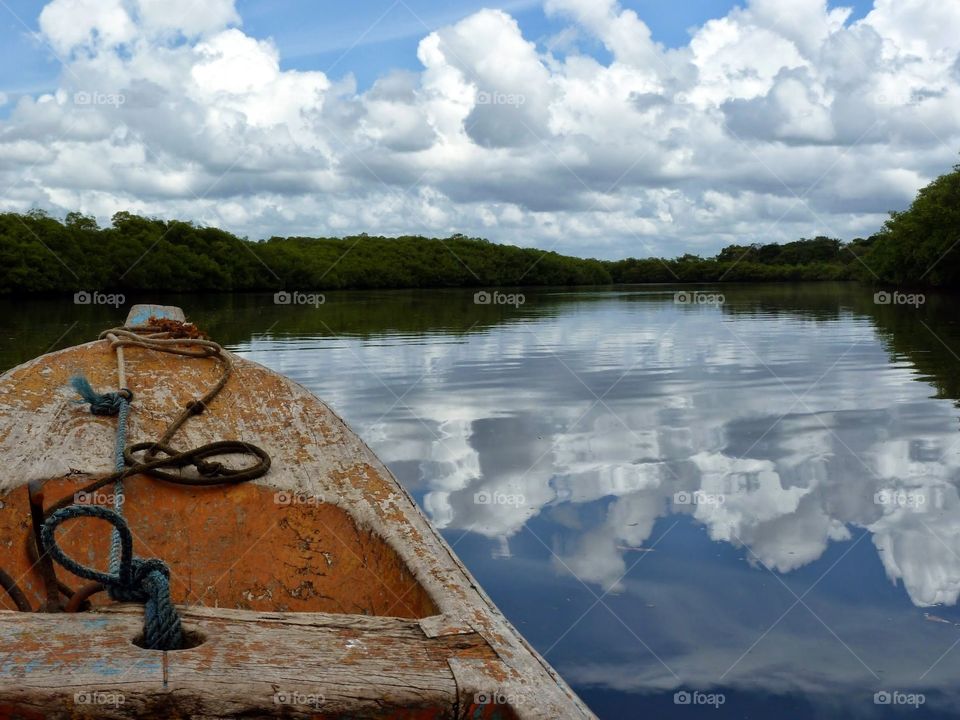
(41, 254)
(820, 258)
(921, 245)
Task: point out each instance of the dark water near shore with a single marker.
(754, 501)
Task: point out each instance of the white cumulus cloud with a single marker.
(779, 120)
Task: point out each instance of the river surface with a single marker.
(736, 506)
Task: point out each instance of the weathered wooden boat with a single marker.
(317, 589)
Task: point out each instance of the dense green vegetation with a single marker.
(820, 258)
(921, 246)
(38, 253)
(41, 254)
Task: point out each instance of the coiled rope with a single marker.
(134, 580)
(130, 578)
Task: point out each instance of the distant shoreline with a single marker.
(146, 294)
(39, 254)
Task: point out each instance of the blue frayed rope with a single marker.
(130, 579)
(100, 403)
(135, 580)
(117, 403)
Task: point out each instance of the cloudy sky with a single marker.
(587, 126)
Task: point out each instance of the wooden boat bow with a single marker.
(319, 590)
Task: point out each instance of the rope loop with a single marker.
(212, 473)
(138, 580)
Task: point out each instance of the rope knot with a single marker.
(100, 403)
(196, 407)
(139, 580)
(209, 468)
(141, 586)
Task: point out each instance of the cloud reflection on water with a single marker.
(786, 438)
(793, 464)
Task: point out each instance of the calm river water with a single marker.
(736, 509)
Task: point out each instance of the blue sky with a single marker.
(363, 38)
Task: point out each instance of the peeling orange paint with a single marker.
(328, 530)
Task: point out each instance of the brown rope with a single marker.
(176, 339)
(162, 342)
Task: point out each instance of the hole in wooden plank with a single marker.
(191, 639)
